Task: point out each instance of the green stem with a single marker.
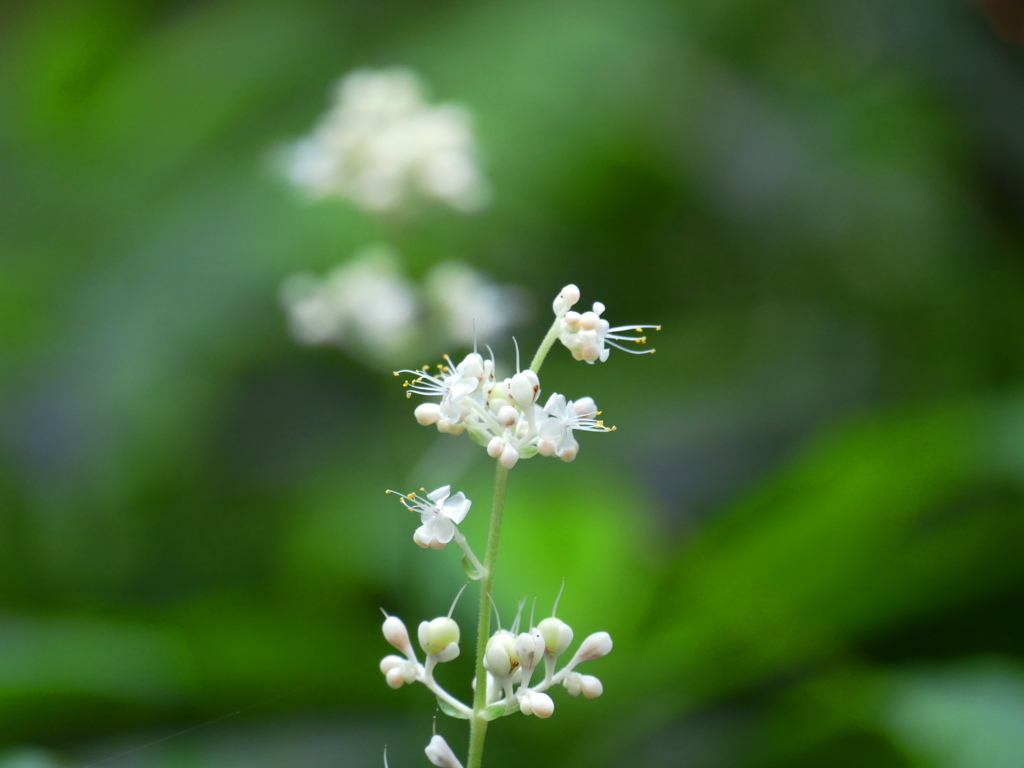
(477, 724)
(545, 346)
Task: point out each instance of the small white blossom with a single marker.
(563, 416)
(381, 143)
(440, 512)
(463, 390)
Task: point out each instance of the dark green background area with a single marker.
(805, 536)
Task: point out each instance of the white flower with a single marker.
(365, 304)
(586, 334)
(439, 513)
(381, 143)
(563, 417)
(469, 305)
(463, 390)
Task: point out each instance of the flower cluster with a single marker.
(512, 659)
(517, 666)
(381, 143)
(504, 416)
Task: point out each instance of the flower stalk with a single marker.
(505, 417)
(477, 724)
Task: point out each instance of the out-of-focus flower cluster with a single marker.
(369, 307)
(381, 144)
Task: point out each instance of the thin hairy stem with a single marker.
(545, 346)
(477, 724)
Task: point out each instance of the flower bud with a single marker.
(398, 671)
(530, 649)
(500, 656)
(396, 634)
(507, 415)
(557, 635)
(496, 447)
(565, 299)
(436, 636)
(594, 647)
(588, 685)
(591, 686)
(523, 388)
(509, 457)
(440, 754)
(570, 451)
(536, 703)
(590, 320)
(427, 413)
(585, 408)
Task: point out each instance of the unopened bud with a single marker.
(436, 636)
(427, 413)
(507, 415)
(588, 685)
(500, 656)
(557, 635)
(398, 671)
(523, 388)
(536, 703)
(396, 634)
(530, 649)
(565, 299)
(593, 647)
(509, 457)
(496, 447)
(440, 754)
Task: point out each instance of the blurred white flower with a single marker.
(368, 307)
(469, 305)
(366, 303)
(381, 143)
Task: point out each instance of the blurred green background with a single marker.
(806, 534)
